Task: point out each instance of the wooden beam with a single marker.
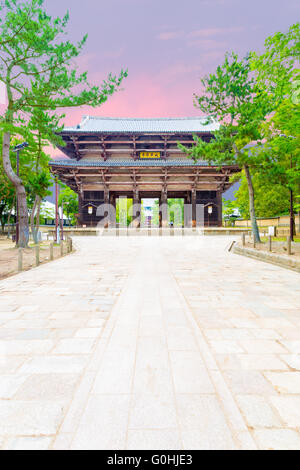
(104, 176)
(142, 183)
(128, 151)
(135, 155)
(78, 184)
(139, 174)
(76, 145)
(202, 169)
(103, 149)
(115, 142)
(196, 179)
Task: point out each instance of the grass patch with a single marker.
(279, 239)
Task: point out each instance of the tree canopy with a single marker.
(69, 200)
(271, 199)
(231, 96)
(255, 100)
(38, 71)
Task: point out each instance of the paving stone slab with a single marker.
(150, 343)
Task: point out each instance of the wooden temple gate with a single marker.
(140, 158)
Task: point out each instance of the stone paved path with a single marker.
(160, 343)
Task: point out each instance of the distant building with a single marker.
(47, 214)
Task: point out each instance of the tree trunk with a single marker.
(32, 215)
(37, 225)
(20, 190)
(9, 217)
(292, 216)
(2, 219)
(251, 205)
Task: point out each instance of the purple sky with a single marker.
(167, 45)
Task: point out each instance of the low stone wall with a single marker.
(282, 224)
(226, 231)
(285, 261)
(71, 232)
(155, 231)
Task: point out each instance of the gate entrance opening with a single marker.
(176, 212)
(149, 211)
(123, 211)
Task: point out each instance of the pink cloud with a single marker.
(144, 96)
(214, 31)
(207, 44)
(179, 76)
(166, 36)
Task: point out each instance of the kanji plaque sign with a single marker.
(150, 155)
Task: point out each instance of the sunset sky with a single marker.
(167, 45)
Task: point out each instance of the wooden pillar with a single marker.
(194, 203)
(159, 213)
(137, 206)
(269, 243)
(80, 210)
(188, 216)
(112, 199)
(106, 195)
(106, 201)
(135, 154)
(220, 208)
(164, 208)
(113, 213)
(165, 147)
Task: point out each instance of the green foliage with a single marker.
(7, 196)
(7, 189)
(37, 184)
(256, 102)
(123, 211)
(37, 67)
(231, 97)
(281, 155)
(69, 199)
(271, 199)
(277, 69)
(154, 215)
(176, 211)
(46, 212)
(38, 71)
(230, 209)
